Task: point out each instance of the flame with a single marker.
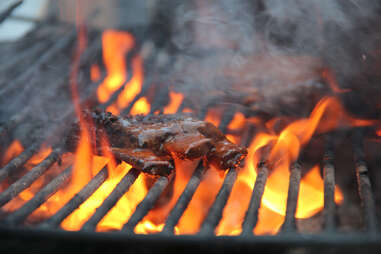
(147, 227)
(117, 215)
(202, 200)
(213, 116)
(133, 87)
(281, 151)
(95, 73)
(153, 222)
(311, 194)
(330, 78)
(28, 193)
(14, 149)
(125, 207)
(38, 157)
(174, 104)
(237, 123)
(115, 45)
(141, 107)
(187, 110)
(279, 148)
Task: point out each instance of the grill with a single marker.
(13, 224)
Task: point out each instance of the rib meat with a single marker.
(150, 142)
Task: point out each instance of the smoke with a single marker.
(263, 48)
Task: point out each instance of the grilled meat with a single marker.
(150, 142)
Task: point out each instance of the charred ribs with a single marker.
(150, 143)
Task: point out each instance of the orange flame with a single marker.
(332, 82)
(213, 116)
(280, 149)
(28, 193)
(202, 200)
(174, 104)
(115, 45)
(133, 87)
(95, 73)
(141, 107)
(14, 149)
(283, 150)
(311, 194)
(153, 222)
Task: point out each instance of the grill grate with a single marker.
(289, 235)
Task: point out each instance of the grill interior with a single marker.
(14, 224)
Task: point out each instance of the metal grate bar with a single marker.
(30, 52)
(147, 204)
(184, 200)
(46, 57)
(226, 119)
(364, 185)
(122, 187)
(39, 198)
(7, 12)
(161, 100)
(18, 161)
(329, 212)
(251, 216)
(13, 121)
(289, 224)
(25, 181)
(94, 49)
(215, 212)
(77, 200)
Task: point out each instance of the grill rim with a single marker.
(288, 240)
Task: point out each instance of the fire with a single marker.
(115, 45)
(153, 222)
(95, 73)
(237, 123)
(202, 200)
(132, 89)
(311, 194)
(213, 116)
(281, 151)
(28, 193)
(14, 149)
(148, 228)
(332, 82)
(141, 107)
(174, 104)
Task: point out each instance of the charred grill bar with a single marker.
(329, 211)
(364, 185)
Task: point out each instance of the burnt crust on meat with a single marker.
(150, 142)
